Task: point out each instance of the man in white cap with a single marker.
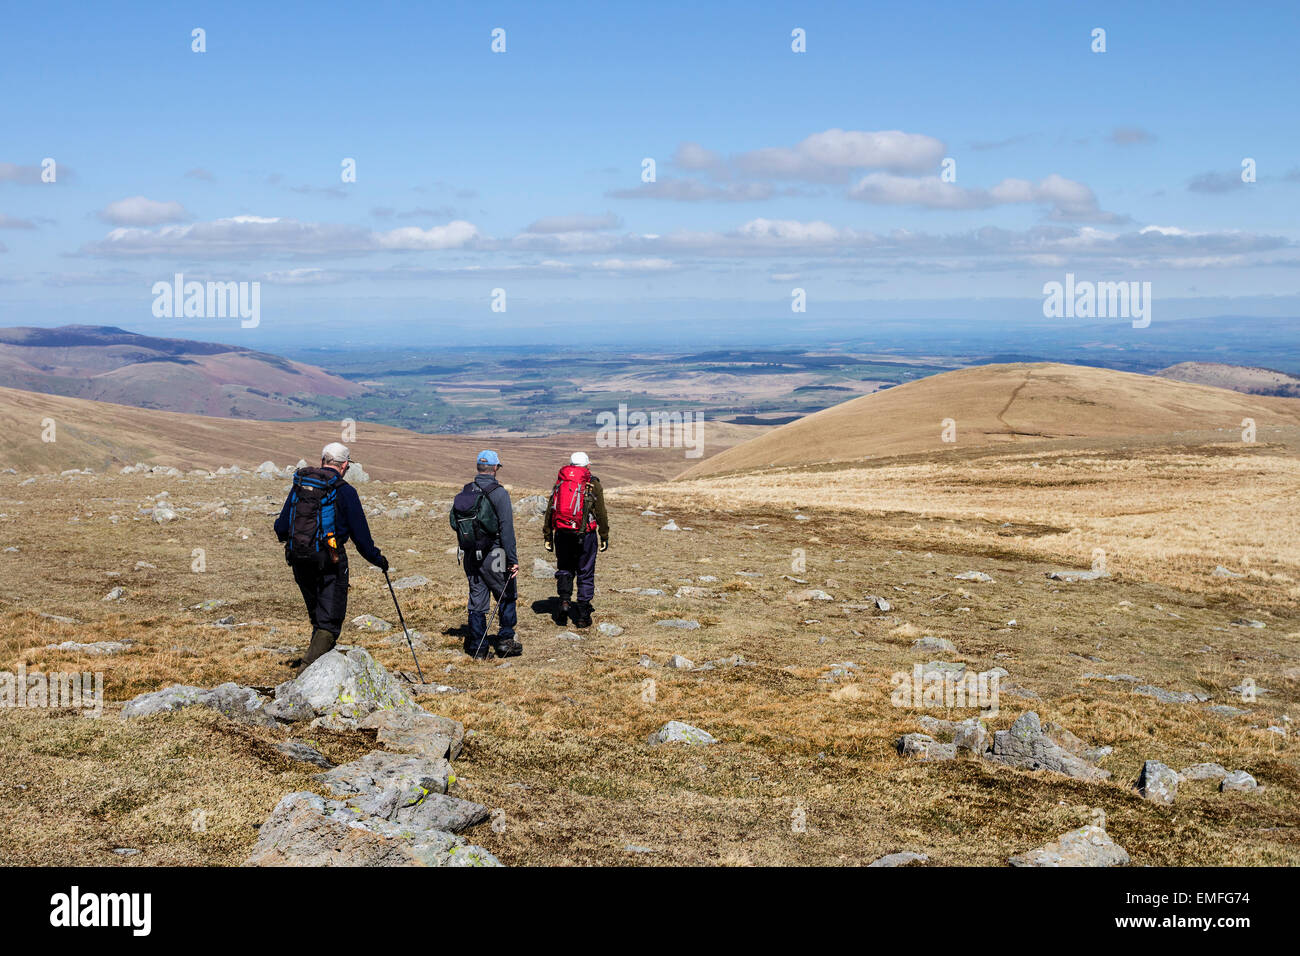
(320, 514)
(575, 518)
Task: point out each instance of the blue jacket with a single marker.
(349, 522)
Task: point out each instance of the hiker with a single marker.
(320, 514)
(483, 518)
(576, 510)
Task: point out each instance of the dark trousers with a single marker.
(487, 578)
(324, 591)
(575, 555)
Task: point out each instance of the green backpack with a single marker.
(474, 519)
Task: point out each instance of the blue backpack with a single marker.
(312, 515)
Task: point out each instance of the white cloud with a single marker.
(578, 223)
(139, 211)
(454, 235)
(832, 155)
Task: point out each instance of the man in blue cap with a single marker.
(483, 517)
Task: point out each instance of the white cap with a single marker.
(580, 459)
(335, 451)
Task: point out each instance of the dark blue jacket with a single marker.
(349, 522)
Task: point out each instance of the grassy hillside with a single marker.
(1000, 405)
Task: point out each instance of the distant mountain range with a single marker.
(109, 364)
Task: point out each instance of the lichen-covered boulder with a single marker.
(1086, 846)
(308, 830)
(1158, 782)
(348, 686)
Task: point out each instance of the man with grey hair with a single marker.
(320, 514)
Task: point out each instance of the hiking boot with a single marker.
(322, 642)
(480, 649)
(561, 610)
(581, 615)
(508, 647)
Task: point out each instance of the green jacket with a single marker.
(597, 510)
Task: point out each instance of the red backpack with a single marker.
(569, 500)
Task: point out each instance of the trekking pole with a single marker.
(404, 630)
(497, 613)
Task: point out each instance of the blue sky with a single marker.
(522, 170)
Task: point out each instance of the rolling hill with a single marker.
(100, 435)
(112, 365)
(997, 405)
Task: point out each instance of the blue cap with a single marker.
(488, 457)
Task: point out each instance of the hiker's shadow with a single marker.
(554, 607)
(461, 631)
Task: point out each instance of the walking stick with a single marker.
(404, 630)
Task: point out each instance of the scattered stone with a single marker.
(679, 663)
(1086, 846)
(1158, 782)
(209, 605)
(1238, 780)
(239, 703)
(942, 670)
(680, 623)
(116, 594)
(95, 648)
(979, 576)
(687, 591)
(808, 594)
(1026, 746)
(675, 731)
(925, 747)
(928, 643)
(531, 505)
(410, 581)
(900, 859)
(1247, 622)
(298, 750)
(670, 526)
(1170, 696)
(609, 630)
(543, 569)
(569, 636)
(1221, 572)
(1071, 577)
(368, 622)
(126, 851)
(1203, 771)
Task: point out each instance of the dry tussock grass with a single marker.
(559, 740)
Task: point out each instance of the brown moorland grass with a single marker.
(559, 740)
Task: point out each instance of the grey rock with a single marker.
(368, 622)
(349, 685)
(679, 663)
(94, 649)
(942, 669)
(1070, 577)
(543, 569)
(1170, 696)
(809, 594)
(1238, 780)
(929, 643)
(925, 747)
(1204, 771)
(680, 623)
(1247, 622)
(609, 630)
(116, 594)
(307, 830)
(1026, 746)
(299, 750)
(1086, 846)
(676, 731)
(1221, 572)
(690, 591)
(238, 703)
(415, 730)
(531, 505)
(410, 581)
(979, 576)
(900, 859)
(1158, 782)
